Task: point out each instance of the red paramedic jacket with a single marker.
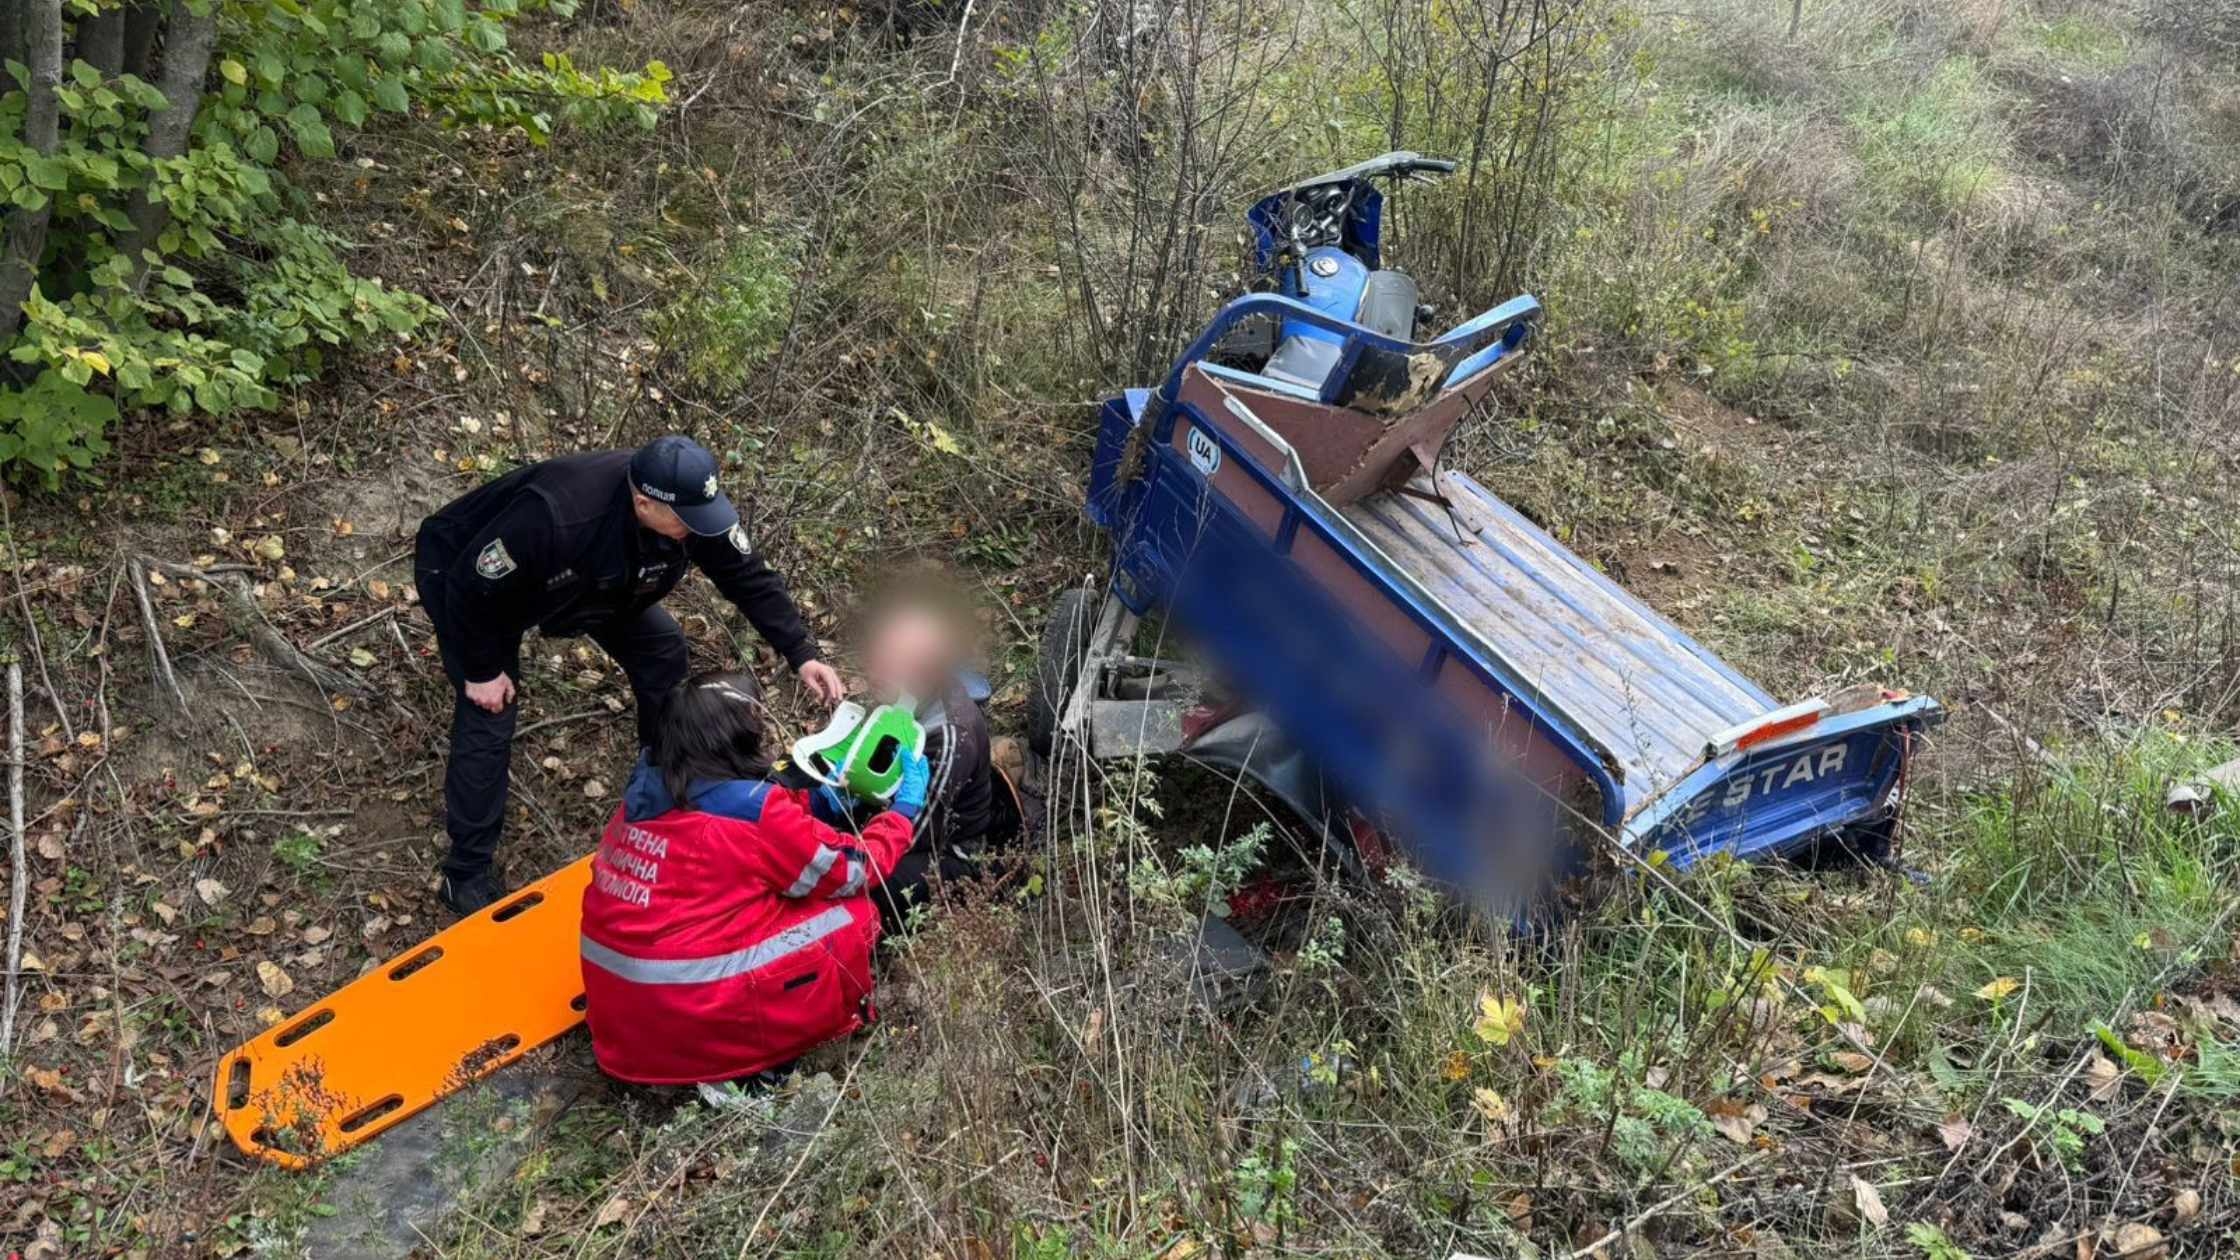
(731, 937)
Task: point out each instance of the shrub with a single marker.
(155, 256)
(728, 322)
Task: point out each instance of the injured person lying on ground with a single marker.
(728, 927)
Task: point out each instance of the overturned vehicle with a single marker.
(1386, 645)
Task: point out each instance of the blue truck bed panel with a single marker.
(1441, 657)
(1649, 694)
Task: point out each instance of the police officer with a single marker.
(583, 544)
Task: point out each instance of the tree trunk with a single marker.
(27, 229)
(101, 41)
(186, 61)
(143, 21)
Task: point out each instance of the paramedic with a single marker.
(584, 544)
(727, 930)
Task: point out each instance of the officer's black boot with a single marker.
(468, 894)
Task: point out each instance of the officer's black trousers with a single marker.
(651, 650)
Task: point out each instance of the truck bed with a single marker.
(1649, 694)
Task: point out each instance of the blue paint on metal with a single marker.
(1629, 698)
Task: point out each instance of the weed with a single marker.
(726, 322)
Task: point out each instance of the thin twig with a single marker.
(532, 727)
(19, 885)
(1662, 1205)
(360, 624)
(31, 623)
(155, 634)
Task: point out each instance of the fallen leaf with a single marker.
(532, 1221)
(211, 891)
(277, 983)
(1852, 1061)
(1954, 1130)
(270, 1015)
(593, 789)
(612, 1211)
(1456, 1067)
(262, 925)
(2137, 1240)
(314, 935)
(1998, 988)
(2185, 1209)
(361, 658)
(1491, 1105)
(269, 548)
(2104, 1077)
(1869, 1201)
(1736, 1122)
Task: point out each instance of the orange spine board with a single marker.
(424, 1024)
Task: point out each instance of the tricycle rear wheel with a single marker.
(1057, 667)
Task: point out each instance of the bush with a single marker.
(155, 254)
(729, 322)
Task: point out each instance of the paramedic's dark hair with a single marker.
(711, 729)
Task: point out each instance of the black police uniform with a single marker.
(557, 546)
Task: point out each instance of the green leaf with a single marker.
(270, 68)
(263, 144)
(389, 94)
(485, 35)
(350, 108)
(311, 132)
(234, 72)
(52, 174)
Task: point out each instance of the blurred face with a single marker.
(658, 517)
(909, 651)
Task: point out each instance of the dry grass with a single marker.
(1901, 350)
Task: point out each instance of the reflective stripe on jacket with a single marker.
(730, 937)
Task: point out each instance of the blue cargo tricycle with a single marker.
(1376, 637)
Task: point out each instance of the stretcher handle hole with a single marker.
(579, 1003)
(417, 963)
(237, 1084)
(515, 908)
(317, 1020)
(806, 977)
(364, 1116)
(286, 1140)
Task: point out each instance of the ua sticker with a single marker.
(1205, 453)
(495, 561)
(738, 537)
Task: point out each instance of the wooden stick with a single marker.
(155, 634)
(19, 885)
(360, 624)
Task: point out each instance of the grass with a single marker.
(1904, 356)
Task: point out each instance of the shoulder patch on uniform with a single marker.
(495, 561)
(738, 537)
